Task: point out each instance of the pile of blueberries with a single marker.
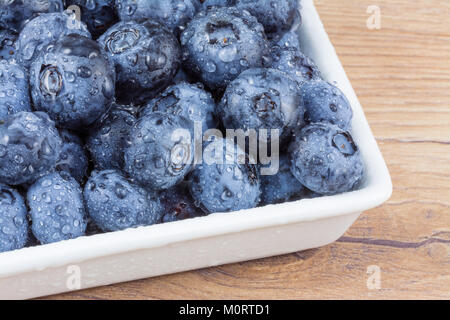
(93, 92)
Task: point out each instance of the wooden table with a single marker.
(401, 74)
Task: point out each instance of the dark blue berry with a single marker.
(326, 160)
(224, 182)
(294, 63)
(188, 100)
(14, 89)
(262, 99)
(326, 103)
(43, 30)
(30, 145)
(160, 151)
(73, 81)
(73, 158)
(114, 203)
(221, 43)
(173, 13)
(275, 16)
(282, 186)
(13, 220)
(56, 208)
(146, 56)
(108, 139)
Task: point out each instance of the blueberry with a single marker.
(98, 15)
(160, 151)
(286, 40)
(114, 203)
(188, 100)
(293, 62)
(262, 99)
(108, 139)
(13, 220)
(173, 13)
(208, 4)
(326, 103)
(326, 160)
(224, 182)
(14, 89)
(275, 16)
(56, 208)
(146, 56)
(43, 30)
(14, 14)
(73, 81)
(7, 44)
(178, 204)
(282, 186)
(29, 147)
(221, 43)
(73, 158)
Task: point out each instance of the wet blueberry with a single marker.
(221, 43)
(30, 145)
(262, 99)
(282, 186)
(13, 220)
(108, 139)
(73, 80)
(160, 151)
(73, 158)
(173, 13)
(188, 100)
(274, 15)
(294, 63)
(43, 30)
(146, 57)
(325, 102)
(225, 181)
(56, 208)
(14, 89)
(326, 160)
(114, 203)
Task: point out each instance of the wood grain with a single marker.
(401, 74)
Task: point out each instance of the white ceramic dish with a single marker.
(216, 239)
